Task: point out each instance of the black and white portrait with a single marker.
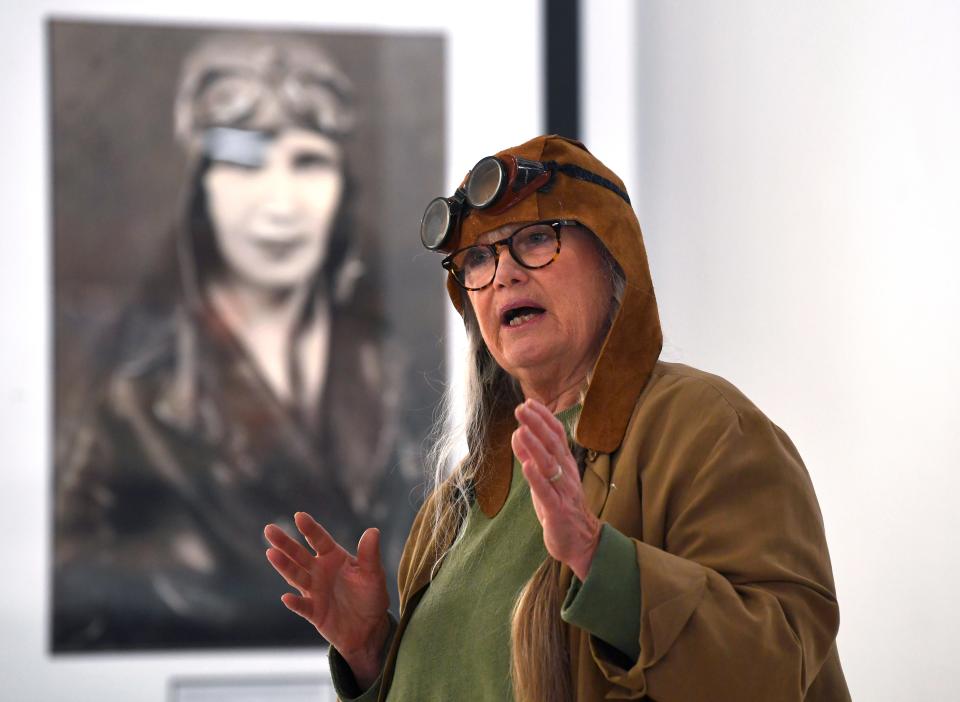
(240, 302)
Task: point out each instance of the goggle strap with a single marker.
(579, 173)
(523, 171)
(511, 197)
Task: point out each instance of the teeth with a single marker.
(520, 319)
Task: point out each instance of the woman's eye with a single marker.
(476, 258)
(308, 161)
(239, 166)
(535, 238)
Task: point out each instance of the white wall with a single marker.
(29, 672)
(796, 169)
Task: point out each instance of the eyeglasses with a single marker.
(533, 246)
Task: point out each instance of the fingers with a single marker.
(368, 551)
(292, 572)
(547, 428)
(292, 549)
(546, 500)
(542, 437)
(519, 447)
(318, 538)
(298, 605)
(544, 461)
(518, 442)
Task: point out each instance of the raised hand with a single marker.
(343, 596)
(570, 531)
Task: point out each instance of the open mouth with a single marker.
(520, 315)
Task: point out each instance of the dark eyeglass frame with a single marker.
(555, 224)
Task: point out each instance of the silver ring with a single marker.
(556, 476)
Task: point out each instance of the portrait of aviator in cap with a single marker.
(256, 381)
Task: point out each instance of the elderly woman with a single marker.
(254, 375)
(622, 527)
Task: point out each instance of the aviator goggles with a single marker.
(234, 97)
(496, 184)
(536, 245)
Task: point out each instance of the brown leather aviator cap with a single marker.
(634, 341)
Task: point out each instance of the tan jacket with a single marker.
(737, 595)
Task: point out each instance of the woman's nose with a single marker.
(278, 193)
(509, 272)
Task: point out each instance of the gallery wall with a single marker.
(795, 167)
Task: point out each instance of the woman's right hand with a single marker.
(344, 597)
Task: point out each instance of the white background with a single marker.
(795, 169)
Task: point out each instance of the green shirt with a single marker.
(457, 643)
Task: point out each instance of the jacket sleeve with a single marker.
(345, 684)
(601, 604)
(739, 604)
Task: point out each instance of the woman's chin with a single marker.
(525, 360)
(276, 282)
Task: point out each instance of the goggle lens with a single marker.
(435, 225)
(485, 183)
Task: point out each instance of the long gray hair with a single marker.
(540, 660)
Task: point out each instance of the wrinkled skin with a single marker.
(343, 596)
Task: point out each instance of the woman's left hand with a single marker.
(570, 531)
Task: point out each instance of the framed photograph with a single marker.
(245, 325)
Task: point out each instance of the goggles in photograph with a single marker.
(237, 97)
(496, 184)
